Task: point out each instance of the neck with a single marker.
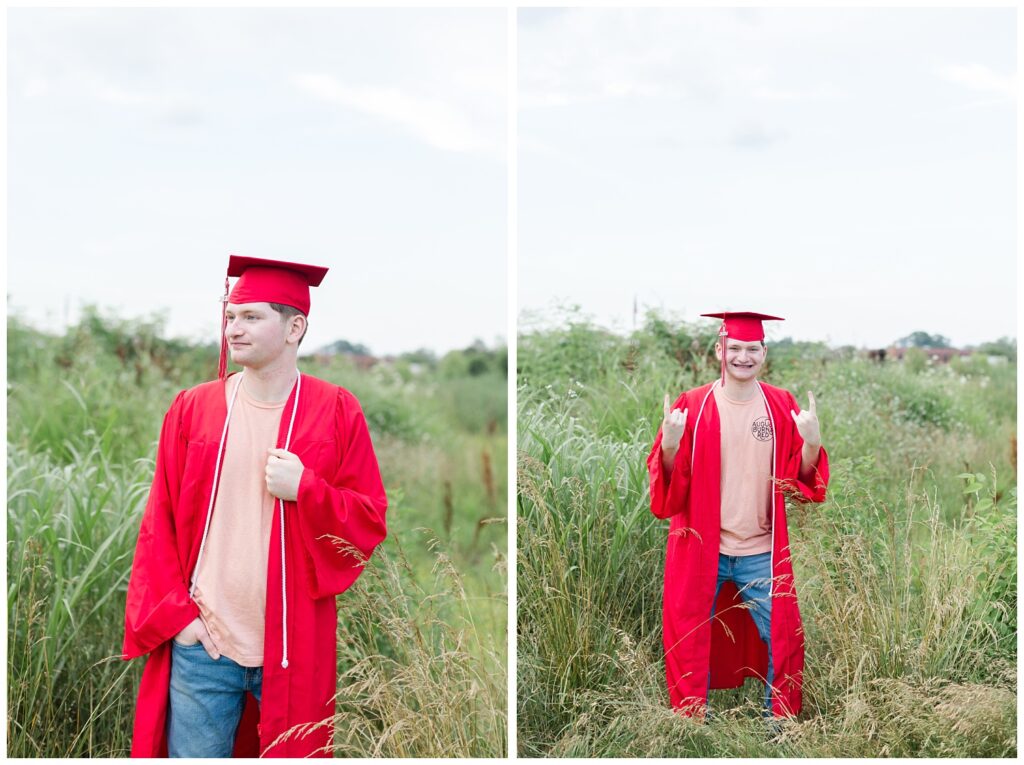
(740, 390)
(271, 383)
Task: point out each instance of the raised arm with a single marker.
(809, 430)
(809, 460)
(668, 463)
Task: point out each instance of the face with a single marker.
(257, 335)
(743, 359)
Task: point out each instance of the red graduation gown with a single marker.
(729, 646)
(340, 496)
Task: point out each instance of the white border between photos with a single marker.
(511, 304)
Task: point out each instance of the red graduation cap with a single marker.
(744, 326)
(273, 281)
(266, 281)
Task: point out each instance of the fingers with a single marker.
(679, 417)
(207, 641)
(810, 397)
(210, 648)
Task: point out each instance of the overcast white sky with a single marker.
(851, 170)
(145, 145)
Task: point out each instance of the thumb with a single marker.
(281, 453)
(793, 414)
(666, 405)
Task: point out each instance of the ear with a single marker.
(718, 350)
(296, 328)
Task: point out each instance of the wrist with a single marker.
(306, 483)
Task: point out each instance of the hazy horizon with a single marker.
(200, 339)
(531, 320)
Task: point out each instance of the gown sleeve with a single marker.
(340, 516)
(158, 606)
(669, 490)
(792, 484)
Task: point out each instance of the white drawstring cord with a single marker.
(280, 504)
(213, 491)
(771, 420)
(693, 452)
(771, 558)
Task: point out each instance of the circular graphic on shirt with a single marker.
(762, 429)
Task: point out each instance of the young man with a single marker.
(266, 502)
(730, 608)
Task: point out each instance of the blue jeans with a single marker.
(206, 701)
(752, 575)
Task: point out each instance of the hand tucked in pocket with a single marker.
(196, 632)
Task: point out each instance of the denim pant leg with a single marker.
(254, 682)
(206, 702)
(753, 577)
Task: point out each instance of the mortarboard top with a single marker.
(273, 281)
(745, 326)
(266, 281)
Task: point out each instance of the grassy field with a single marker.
(906, 574)
(422, 637)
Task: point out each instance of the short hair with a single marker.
(763, 345)
(288, 311)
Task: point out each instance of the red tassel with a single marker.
(723, 338)
(222, 364)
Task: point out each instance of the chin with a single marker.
(241, 359)
(743, 375)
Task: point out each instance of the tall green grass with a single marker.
(71, 532)
(906, 575)
(422, 637)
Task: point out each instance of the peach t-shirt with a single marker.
(746, 475)
(232, 578)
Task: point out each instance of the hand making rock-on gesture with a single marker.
(807, 422)
(672, 426)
